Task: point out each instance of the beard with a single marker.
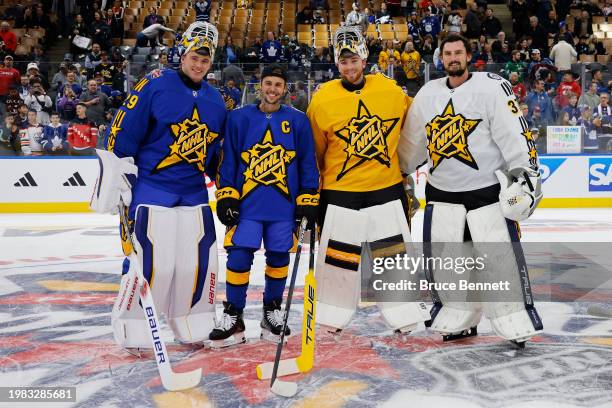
(456, 70)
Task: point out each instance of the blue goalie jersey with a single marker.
(269, 159)
(173, 132)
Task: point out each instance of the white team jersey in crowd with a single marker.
(466, 133)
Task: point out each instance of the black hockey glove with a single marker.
(307, 205)
(228, 206)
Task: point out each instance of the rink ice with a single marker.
(59, 274)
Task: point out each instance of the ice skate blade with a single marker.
(471, 332)
(519, 344)
(268, 336)
(233, 340)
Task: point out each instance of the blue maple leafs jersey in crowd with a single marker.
(173, 133)
(269, 159)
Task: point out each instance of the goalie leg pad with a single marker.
(155, 231)
(388, 232)
(338, 272)
(192, 295)
(445, 223)
(511, 320)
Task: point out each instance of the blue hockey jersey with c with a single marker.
(174, 133)
(269, 159)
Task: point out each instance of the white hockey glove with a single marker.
(112, 183)
(521, 191)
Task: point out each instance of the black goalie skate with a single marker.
(229, 330)
(272, 322)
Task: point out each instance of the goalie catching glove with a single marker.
(114, 182)
(521, 191)
(228, 206)
(307, 205)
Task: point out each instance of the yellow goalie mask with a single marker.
(198, 37)
(349, 38)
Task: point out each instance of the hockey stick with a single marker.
(304, 362)
(599, 311)
(170, 380)
(285, 388)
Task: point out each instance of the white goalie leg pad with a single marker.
(338, 270)
(511, 320)
(387, 223)
(445, 223)
(192, 305)
(155, 236)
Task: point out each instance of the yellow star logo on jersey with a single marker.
(267, 164)
(448, 137)
(115, 129)
(191, 138)
(366, 139)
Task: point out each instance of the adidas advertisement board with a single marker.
(46, 183)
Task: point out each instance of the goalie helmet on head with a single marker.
(349, 38)
(201, 37)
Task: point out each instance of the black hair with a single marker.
(454, 38)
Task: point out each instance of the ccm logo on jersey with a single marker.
(600, 174)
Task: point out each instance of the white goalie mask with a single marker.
(199, 35)
(350, 38)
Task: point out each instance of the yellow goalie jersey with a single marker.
(356, 133)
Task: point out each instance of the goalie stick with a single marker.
(171, 380)
(304, 362)
(599, 311)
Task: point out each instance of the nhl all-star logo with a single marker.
(490, 373)
(191, 137)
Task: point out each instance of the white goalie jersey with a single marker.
(466, 133)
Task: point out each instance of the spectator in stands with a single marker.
(383, 16)
(567, 87)
(24, 87)
(271, 49)
(234, 73)
(317, 17)
(520, 17)
(27, 19)
(78, 28)
(55, 137)
(563, 54)
(117, 57)
(414, 29)
(9, 137)
(106, 69)
(411, 64)
(484, 55)
(92, 60)
(112, 23)
(369, 16)
(385, 56)
(42, 63)
(96, 101)
(82, 133)
(491, 24)
(161, 63)
(538, 35)
(211, 79)
(597, 77)
(538, 98)
(30, 136)
(454, 23)
(14, 11)
(589, 131)
(472, 22)
(230, 91)
(104, 89)
(13, 100)
(304, 16)
(537, 62)
(299, 99)
(602, 120)
(517, 87)
(550, 24)
(38, 101)
(117, 98)
(431, 25)
(356, 18)
(21, 119)
(118, 12)
(572, 110)
(582, 25)
(71, 82)
(8, 39)
(202, 10)
(589, 98)
(66, 105)
(99, 31)
(41, 20)
(538, 121)
(9, 78)
(152, 18)
(564, 33)
(428, 48)
(59, 79)
(582, 48)
(151, 35)
(228, 53)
